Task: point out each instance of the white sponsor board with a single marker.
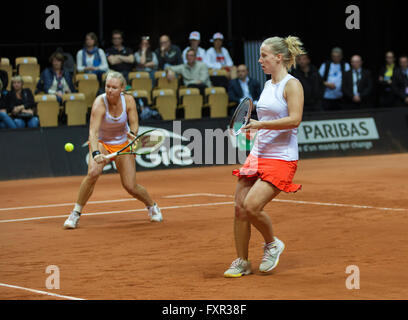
(326, 131)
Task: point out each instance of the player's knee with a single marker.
(93, 175)
(240, 213)
(250, 210)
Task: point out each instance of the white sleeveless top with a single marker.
(275, 144)
(113, 130)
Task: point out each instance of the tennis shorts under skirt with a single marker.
(280, 173)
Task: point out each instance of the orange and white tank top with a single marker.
(275, 144)
(113, 129)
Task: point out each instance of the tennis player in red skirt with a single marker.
(271, 165)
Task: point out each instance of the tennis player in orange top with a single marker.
(109, 132)
(271, 165)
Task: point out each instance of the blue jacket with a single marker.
(47, 78)
(235, 92)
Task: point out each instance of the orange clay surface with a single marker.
(117, 253)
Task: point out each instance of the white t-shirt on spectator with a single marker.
(218, 60)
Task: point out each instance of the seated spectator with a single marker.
(384, 79)
(4, 81)
(92, 59)
(21, 104)
(5, 120)
(332, 74)
(55, 80)
(357, 85)
(146, 59)
(194, 39)
(243, 87)
(400, 82)
(311, 81)
(168, 54)
(120, 58)
(218, 57)
(69, 62)
(194, 73)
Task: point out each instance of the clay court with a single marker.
(351, 211)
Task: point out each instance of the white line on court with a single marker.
(121, 211)
(289, 201)
(65, 204)
(40, 292)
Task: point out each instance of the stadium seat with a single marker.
(75, 108)
(26, 60)
(217, 101)
(192, 102)
(28, 66)
(165, 103)
(48, 110)
(141, 81)
(29, 83)
(88, 84)
(164, 83)
(219, 78)
(5, 61)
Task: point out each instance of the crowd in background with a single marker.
(335, 85)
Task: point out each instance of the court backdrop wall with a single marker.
(32, 153)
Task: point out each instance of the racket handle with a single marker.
(110, 156)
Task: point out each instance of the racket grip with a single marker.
(110, 156)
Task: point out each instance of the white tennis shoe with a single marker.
(72, 221)
(271, 255)
(238, 268)
(155, 213)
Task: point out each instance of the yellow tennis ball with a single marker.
(69, 147)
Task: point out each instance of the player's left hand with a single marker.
(130, 136)
(253, 124)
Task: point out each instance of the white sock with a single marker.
(78, 208)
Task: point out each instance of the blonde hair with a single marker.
(116, 75)
(17, 79)
(289, 47)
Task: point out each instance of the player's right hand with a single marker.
(100, 158)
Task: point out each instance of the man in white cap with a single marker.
(194, 44)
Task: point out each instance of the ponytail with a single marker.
(289, 47)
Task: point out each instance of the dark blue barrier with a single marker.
(30, 153)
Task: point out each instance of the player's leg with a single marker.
(127, 169)
(242, 231)
(258, 196)
(85, 190)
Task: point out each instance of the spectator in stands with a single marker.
(385, 80)
(218, 57)
(120, 58)
(194, 73)
(5, 120)
(357, 85)
(311, 81)
(92, 59)
(69, 62)
(146, 59)
(4, 81)
(194, 39)
(21, 104)
(55, 80)
(168, 54)
(243, 87)
(332, 74)
(400, 82)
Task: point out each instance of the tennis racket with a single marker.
(241, 117)
(147, 142)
